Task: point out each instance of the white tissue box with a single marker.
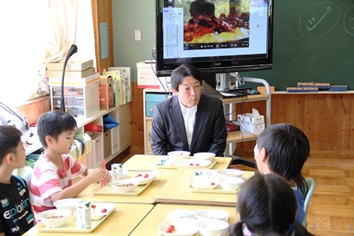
(250, 118)
(252, 128)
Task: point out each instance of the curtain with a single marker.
(61, 35)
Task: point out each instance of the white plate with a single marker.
(194, 163)
(183, 227)
(98, 212)
(144, 177)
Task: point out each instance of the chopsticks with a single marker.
(103, 182)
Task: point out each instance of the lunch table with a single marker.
(148, 162)
(121, 221)
(177, 190)
(149, 225)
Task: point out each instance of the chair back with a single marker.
(311, 184)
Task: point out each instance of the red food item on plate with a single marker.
(197, 164)
(191, 164)
(93, 206)
(170, 229)
(138, 175)
(212, 183)
(146, 176)
(104, 210)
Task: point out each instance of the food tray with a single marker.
(108, 190)
(162, 165)
(217, 189)
(70, 225)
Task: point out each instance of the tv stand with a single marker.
(240, 136)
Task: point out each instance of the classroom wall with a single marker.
(322, 54)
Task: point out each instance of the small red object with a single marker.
(104, 210)
(190, 164)
(170, 229)
(146, 176)
(93, 206)
(138, 175)
(197, 164)
(212, 183)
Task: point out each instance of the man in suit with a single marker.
(189, 120)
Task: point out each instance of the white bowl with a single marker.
(54, 218)
(204, 156)
(212, 227)
(212, 214)
(146, 177)
(176, 156)
(182, 227)
(125, 185)
(230, 173)
(202, 182)
(67, 203)
(231, 183)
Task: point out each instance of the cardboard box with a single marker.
(147, 77)
(117, 86)
(71, 74)
(73, 82)
(106, 93)
(74, 65)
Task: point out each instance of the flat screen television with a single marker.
(216, 36)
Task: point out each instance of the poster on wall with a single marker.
(104, 40)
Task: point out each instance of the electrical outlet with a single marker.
(137, 35)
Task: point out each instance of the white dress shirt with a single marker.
(189, 118)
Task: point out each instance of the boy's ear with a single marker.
(49, 139)
(9, 158)
(263, 155)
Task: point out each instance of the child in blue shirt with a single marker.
(15, 209)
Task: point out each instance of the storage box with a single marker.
(107, 149)
(106, 93)
(250, 118)
(252, 128)
(72, 65)
(94, 158)
(115, 139)
(80, 100)
(151, 99)
(71, 74)
(147, 77)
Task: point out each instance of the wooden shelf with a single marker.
(240, 136)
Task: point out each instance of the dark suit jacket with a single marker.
(209, 133)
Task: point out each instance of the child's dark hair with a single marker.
(53, 123)
(267, 206)
(10, 137)
(287, 148)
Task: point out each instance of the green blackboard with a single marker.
(313, 42)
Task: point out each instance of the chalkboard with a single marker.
(313, 42)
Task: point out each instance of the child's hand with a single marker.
(97, 174)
